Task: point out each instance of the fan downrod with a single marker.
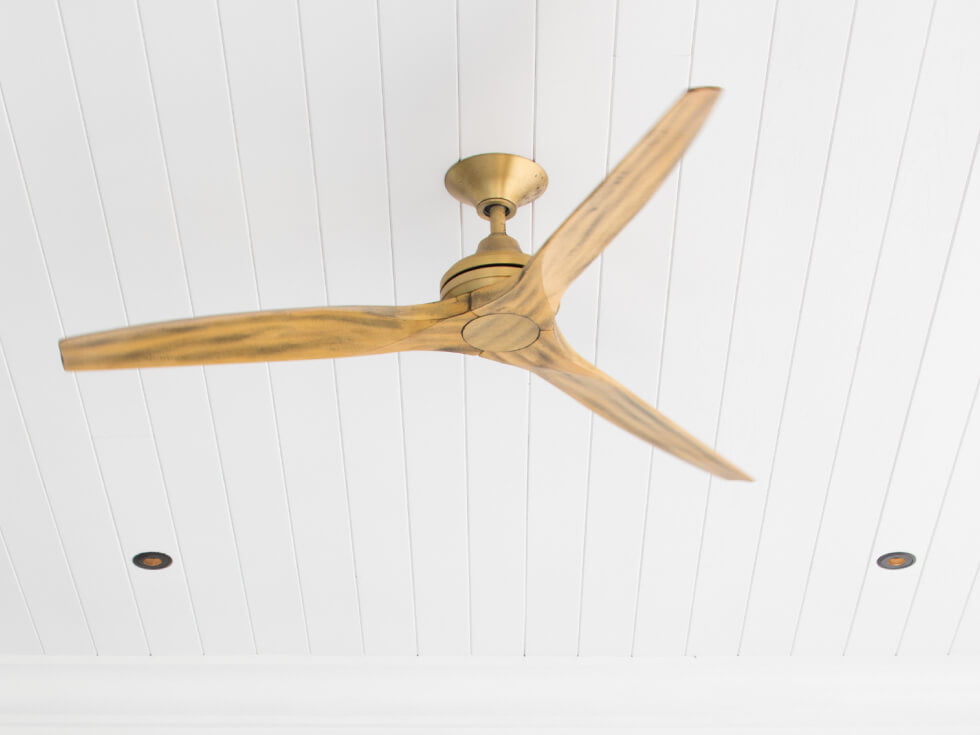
(496, 184)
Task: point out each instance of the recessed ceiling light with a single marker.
(896, 560)
(152, 560)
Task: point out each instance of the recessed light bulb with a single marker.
(152, 560)
(896, 560)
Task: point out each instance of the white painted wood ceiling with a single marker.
(802, 293)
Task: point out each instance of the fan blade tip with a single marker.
(65, 359)
(707, 96)
(734, 473)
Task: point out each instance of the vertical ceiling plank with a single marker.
(883, 59)
(496, 114)
(179, 406)
(374, 459)
(17, 632)
(187, 60)
(966, 638)
(951, 558)
(110, 68)
(574, 68)
(125, 447)
(56, 525)
(30, 530)
(418, 57)
(39, 574)
(419, 66)
(909, 275)
(269, 89)
(346, 113)
(731, 49)
(802, 87)
(574, 61)
(652, 64)
(265, 74)
(347, 121)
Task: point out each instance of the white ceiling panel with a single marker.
(933, 440)
(40, 566)
(803, 80)
(801, 292)
(883, 58)
(350, 176)
(938, 601)
(708, 236)
(64, 209)
(938, 149)
(966, 635)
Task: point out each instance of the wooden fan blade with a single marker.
(591, 227)
(290, 334)
(552, 359)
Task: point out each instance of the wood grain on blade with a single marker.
(290, 334)
(591, 227)
(552, 359)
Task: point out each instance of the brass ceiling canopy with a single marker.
(496, 179)
(499, 304)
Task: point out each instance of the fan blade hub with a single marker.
(501, 332)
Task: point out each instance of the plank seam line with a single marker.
(464, 363)
(530, 375)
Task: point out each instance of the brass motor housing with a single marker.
(497, 258)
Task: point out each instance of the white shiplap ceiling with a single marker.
(802, 293)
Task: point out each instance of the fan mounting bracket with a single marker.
(496, 179)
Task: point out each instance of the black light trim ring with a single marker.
(896, 560)
(152, 560)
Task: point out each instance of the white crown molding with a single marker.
(374, 695)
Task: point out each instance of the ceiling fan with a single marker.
(499, 303)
